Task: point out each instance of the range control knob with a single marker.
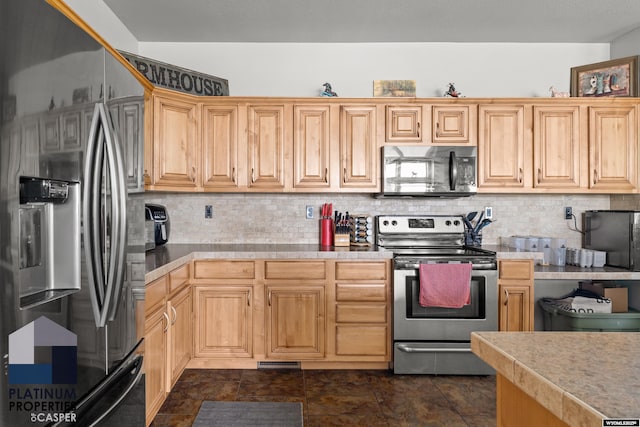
(385, 222)
(394, 222)
(456, 223)
(447, 223)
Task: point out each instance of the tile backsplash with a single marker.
(280, 218)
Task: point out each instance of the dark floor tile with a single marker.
(342, 402)
(271, 383)
(211, 375)
(469, 395)
(344, 420)
(173, 420)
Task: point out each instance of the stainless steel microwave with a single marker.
(617, 233)
(429, 171)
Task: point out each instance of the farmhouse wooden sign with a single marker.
(177, 78)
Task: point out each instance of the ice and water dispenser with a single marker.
(49, 236)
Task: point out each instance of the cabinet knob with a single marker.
(595, 176)
(233, 175)
(506, 297)
(520, 175)
(326, 175)
(175, 315)
(418, 129)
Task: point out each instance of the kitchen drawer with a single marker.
(309, 270)
(358, 292)
(155, 293)
(361, 313)
(178, 277)
(360, 340)
(361, 270)
(521, 269)
(224, 270)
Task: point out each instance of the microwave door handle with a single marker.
(118, 226)
(91, 211)
(453, 171)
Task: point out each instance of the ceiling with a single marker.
(308, 21)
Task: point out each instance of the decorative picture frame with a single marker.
(394, 88)
(617, 77)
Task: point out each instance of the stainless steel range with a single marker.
(436, 340)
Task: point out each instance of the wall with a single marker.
(102, 19)
(300, 69)
(627, 45)
(280, 218)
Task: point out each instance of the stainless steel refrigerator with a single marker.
(71, 225)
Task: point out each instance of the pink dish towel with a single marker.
(445, 285)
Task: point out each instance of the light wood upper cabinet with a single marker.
(266, 146)
(557, 153)
(219, 146)
(311, 146)
(454, 124)
(403, 123)
(613, 148)
(176, 149)
(501, 147)
(358, 146)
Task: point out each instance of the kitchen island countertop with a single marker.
(163, 259)
(580, 377)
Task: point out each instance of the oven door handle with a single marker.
(408, 349)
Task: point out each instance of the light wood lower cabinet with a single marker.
(223, 321)
(168, 340)
(179, 334)
(515, 300)
(312, 311)
(295, 320)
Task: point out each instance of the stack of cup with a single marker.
(558, 251)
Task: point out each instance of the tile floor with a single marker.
(340, 397)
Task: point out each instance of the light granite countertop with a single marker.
(566, 272)
(165, 258)
(581, 377)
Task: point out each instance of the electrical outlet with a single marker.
(309, 212)
(488, 212)
(568, 212)
(208, 211)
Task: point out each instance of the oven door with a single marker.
(415, 322)
(434, 340)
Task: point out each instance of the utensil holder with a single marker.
(472, 239)
(326, 232)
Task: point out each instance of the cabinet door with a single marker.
(613, 145)
(266, 146)
(176, 147)
(501, 147)
(556, 146)
(220, 146)
(515, 308)
(403, 123)
(180, 337)
(155, 363)
(452, 124)
(295, 322)
(223, 321)
(358, 146)
(311, 142)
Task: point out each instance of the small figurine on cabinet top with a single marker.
(452, 91)
(556, 94)
(328, 91)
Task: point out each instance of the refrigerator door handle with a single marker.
(104, 229)
(118, 187)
